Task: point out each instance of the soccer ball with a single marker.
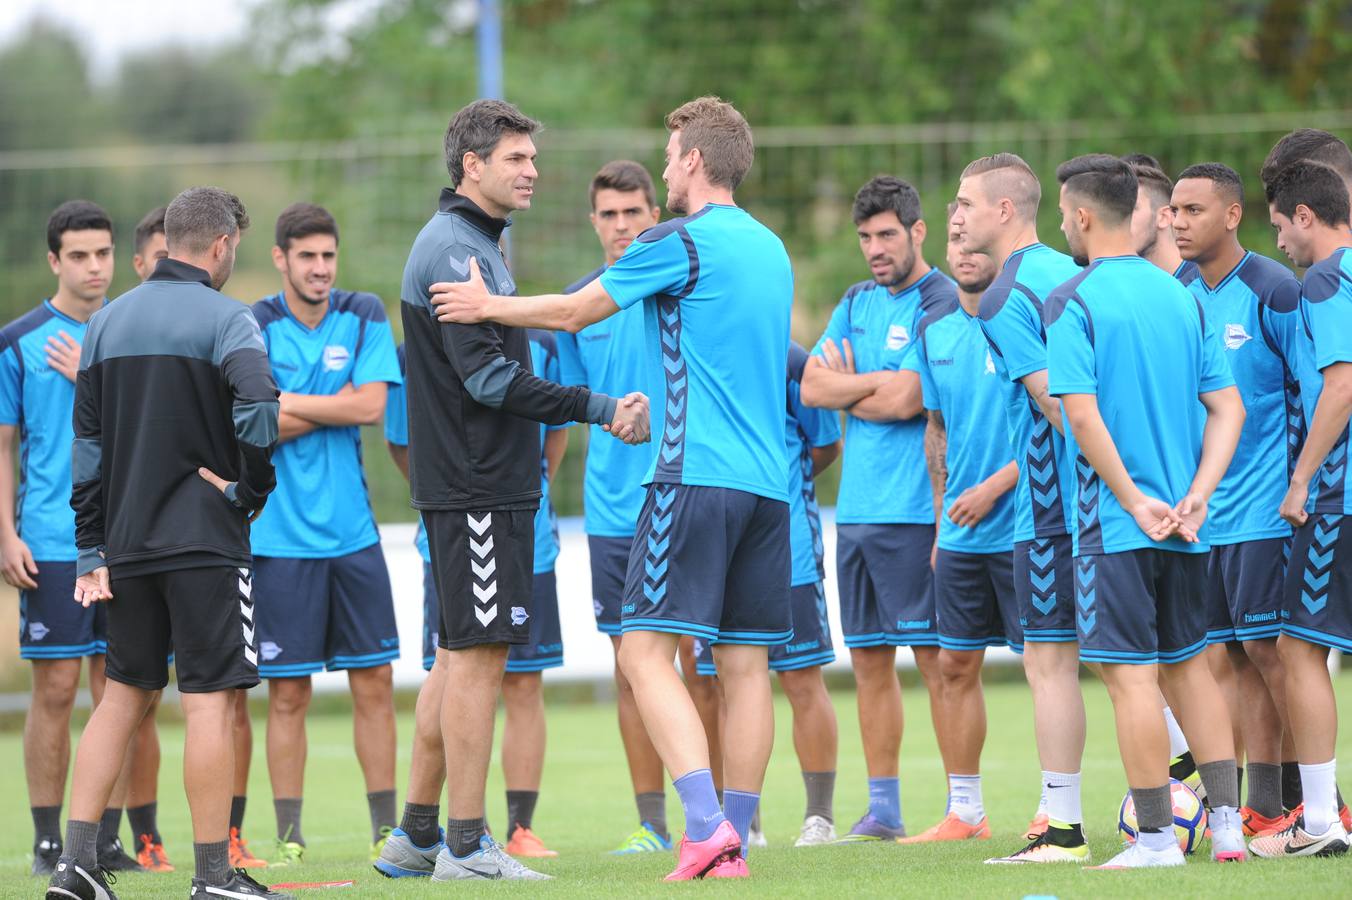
(1189, 816)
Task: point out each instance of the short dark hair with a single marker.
(1309, 145)
(200, 215)
(1141, 159)
(623, 175)
(722, 135)
(151, 224)
(75, 215)
(477, 128)
(887, 192)
(302, 220)
(1310, 184)
(1224, 179)
(1154, 182)
(1107, 182)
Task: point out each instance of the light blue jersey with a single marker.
(320, 508)
(396, 432)
(611, 357)
(883, 479)
(1326, 315)
(41, 401)
(1255, 308)
(544, 359)
(807, 428)
(717, 289)
(959, 379)
(1011, 318)
(1136, 338)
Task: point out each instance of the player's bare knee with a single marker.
(55, 684)
(523, 687)
(960, 668)
(289, 696)
(803, 687)
(1263, 654)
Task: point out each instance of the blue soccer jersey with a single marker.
(1137, 339)
(717, 289)
(959, 380)
(320, 508)
(1255, 308)
(1326, 314)
(1011, 317)
(883, 478)
(611, 357)
(396, 432)
(41, 401)
(807, 428)
(544, 358)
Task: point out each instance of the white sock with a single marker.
(1062, 791)
(1157, 841)
(1178, 744)
(1042, 798)
(964, 798)
(1321, 791)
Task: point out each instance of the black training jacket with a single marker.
(173, 376)
(473, 403)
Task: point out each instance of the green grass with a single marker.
(586, 808)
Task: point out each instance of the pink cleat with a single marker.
(695, 858)
(730, 867)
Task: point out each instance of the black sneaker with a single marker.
(113, 858)
(45, 854)
(240, 887)
(71, 882)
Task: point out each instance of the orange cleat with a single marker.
(151, 855)
(524, 842)
(951, 828)
(1255, 824)
(240, 857)
(1345, 816)
(1038, 827)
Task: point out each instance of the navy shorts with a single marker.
(545, 650)
(886, 585)
(609, 563)
(1318, 605)
(1141, 606)
(1245, 583)
(811, 644)
(52, 625)
(431, 617)
(974, 604)
(712, 563)
(313, 614)
(1044, 586)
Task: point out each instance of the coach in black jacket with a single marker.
(175, 421)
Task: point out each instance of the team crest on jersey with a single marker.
(1236, 336)
(269, 651)
(519, 615)
(897, 337)
(37, 631)
(990, 364)
(335, 357)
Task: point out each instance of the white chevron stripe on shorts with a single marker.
(485, 567)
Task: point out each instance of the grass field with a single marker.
(586, 808)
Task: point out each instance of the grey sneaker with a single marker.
(401, 858)
(489, 861)
(816, 831)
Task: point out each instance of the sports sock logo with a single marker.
(247, 615)
(484, 566)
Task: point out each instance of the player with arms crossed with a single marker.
(1148, 456)
(711, 554)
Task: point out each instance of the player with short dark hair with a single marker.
(175, 420)
(322, 589)
(1150, 445)
(887, 509)
(1254, 303)
(148, 243)
(1308, 145)
(1152, 221)
(1309, 209)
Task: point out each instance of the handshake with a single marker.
(632, 421)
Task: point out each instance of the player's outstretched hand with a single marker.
(63, 354)
(16, 564)
(93, 587)
(224, 487)
(632, 422)
(1293, 504)
(1191, 511)
(1156, 518)
(462, 302)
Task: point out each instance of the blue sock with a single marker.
(884, 800)
(702, 814)
(741, 809)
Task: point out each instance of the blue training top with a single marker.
(1255, 308)
(807, 428)
(611, 357)
(958, 376)
(1136, 338)
(320, 508)
(1011, 318)
(883, 478)
(41, 401)
(717, 290)
(396, 432)
(1326, 317)
(544, 358)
